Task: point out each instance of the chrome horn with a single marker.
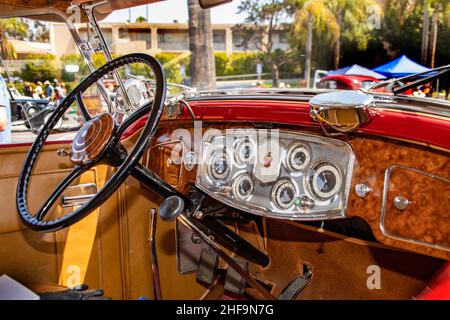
(344, 111)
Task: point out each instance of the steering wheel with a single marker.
(97, 141)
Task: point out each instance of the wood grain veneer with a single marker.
(426, 220)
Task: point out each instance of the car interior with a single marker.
(226, 194)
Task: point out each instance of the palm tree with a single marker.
(441, 8)
(351, 19)
(202, 65)
(315, 17)
(8, 27)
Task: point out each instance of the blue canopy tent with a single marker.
(356, 70)
(400, 67)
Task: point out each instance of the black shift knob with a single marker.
(171, 208)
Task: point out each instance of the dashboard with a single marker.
(276, 173)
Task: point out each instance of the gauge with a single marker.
(244, 151)
(298, 157)
(283, 194)
(325, 180)
(134, 94)
(219, 164)
(243, 187)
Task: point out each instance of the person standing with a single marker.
(49, 90)
(28, 90)
(5, 114)
(38, 91)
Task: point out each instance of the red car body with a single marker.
(347, 82)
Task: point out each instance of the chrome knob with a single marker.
(401, 203)
(63, 153)
(362, 190)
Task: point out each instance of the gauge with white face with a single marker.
(244, 151)
(219, 164)
(242, 187)
(325, 180)
(298, 157)
(283, 194)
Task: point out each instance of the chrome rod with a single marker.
(104, 46)
(152, 242)
(183, 218)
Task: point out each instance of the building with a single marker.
(153, 38)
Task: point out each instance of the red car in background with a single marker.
(347, 82)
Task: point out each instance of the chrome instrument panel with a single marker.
(276, 173)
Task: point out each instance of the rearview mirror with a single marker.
(344, 110)
(206, 4)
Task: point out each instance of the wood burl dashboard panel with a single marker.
(419, 175)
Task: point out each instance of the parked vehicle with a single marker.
(32, 113)
(346, 82)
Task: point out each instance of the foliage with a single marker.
(141, 19)
(221, 59)
(10, 28)
(40, 68)
(264, 18)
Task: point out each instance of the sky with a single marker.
(170, 10)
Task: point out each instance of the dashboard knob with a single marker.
(171, 208)
(401, 203)
(362, 190)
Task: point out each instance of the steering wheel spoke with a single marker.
(73, 175)
(136, 116)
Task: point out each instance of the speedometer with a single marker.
(325, 180)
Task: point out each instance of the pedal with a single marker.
(234, 283)
(297, 285)
(207, 267)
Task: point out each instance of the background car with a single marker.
(32, 112)
(346, 82)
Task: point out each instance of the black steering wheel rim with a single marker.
(155, 108)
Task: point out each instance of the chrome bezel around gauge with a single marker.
(236, 184)
(239, 149)
(216, 153)
(290, 157)
(276, 194)
(313, 180)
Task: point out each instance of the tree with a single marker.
(351, 19)
(316, 18)
(441, 11)
(141, 19)
(7, 28)
(410, 25)
(202, 65)
(264, 19)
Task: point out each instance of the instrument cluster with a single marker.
(276, 173)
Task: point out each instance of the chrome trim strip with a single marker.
(385, 232)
